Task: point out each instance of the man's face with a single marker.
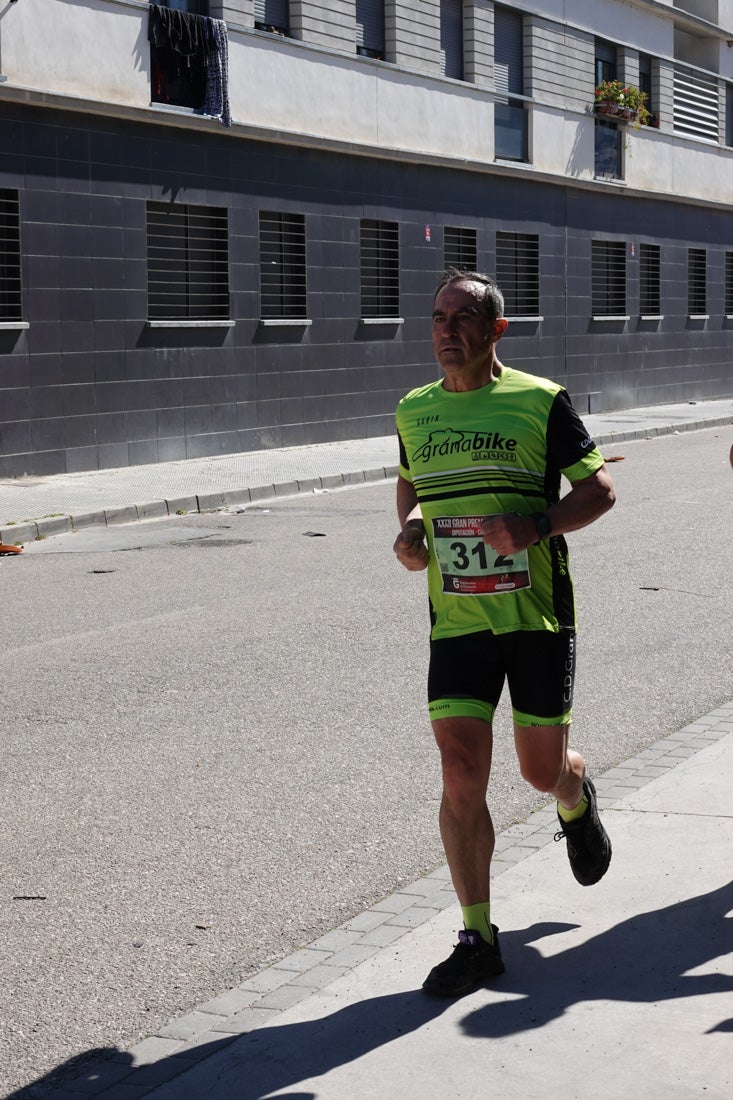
(462, 334)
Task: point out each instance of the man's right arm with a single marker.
(410, 545)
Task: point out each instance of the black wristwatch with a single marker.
(542, 523)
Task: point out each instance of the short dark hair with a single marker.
(492, 298)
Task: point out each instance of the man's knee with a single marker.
(543, 775)
(465, 754)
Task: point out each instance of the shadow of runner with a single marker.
(259, 1062)
(644, 959)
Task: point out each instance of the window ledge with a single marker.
(651, 316)
(610, 317)
(382, 320)
(271, 322)
(189, 324)
(698, 316)
(533, 317)
(14, 324)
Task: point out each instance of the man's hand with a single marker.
(410, 546)
(509, 533)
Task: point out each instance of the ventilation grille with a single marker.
(649, 280)
(608, 275)
(188, 262)
(696, 281)
(380, 269)
(283, 288)
(518, 273)
(10, 284)
(460, 248)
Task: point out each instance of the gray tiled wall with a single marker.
(88, 384)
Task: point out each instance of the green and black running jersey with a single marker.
(501, 448)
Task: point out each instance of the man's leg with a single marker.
(467, 833)
(466, 828)
(549, 765)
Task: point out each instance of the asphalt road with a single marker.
(216, 748)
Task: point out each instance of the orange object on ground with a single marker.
(5, 549)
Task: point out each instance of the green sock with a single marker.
(573, 815)
(477, 918)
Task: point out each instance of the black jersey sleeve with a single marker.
(568, 439)
(403, 454)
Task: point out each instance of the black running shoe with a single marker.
(589, 849)
(472, 963)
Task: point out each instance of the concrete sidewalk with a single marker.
(621, 989)
(32, 506)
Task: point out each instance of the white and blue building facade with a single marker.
(174, 287)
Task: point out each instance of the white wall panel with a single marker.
(87, 48)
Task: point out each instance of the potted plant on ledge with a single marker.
(624, 102)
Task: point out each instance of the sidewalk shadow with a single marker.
(261, 1061)
(645, 959)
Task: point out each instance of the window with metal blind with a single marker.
(10, 279)
(188, 262)
(451, 38)
(460, 248)
(518, 273)
(271, 15)
(380, 269)
(606, 60)
(283, 290)
(650, 303)
(697, 289)
(645, 80)
(370, 28)
(608, 278)
(510, 116)
(729, 284)
(729, 114)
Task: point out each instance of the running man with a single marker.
(478, 500)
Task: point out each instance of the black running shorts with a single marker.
(467, 674)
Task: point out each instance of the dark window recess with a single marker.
(729, 114)
(650, 302)
(606, 62)
(451, 38)
(645, 80)
(460, 248)
(272, 16)
(10, 284)
(188, 262)
(608, 278)
(370, 28)
(179, 50)
(380, 269)
(282, 265)
(729, 284)
(697, 290)
(510, 115)
(518, 273)
(607, 150)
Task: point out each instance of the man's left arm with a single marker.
(572, 450)
(587, 500)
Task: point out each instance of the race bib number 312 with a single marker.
(471, 568)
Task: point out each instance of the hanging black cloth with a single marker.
(183, 43)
